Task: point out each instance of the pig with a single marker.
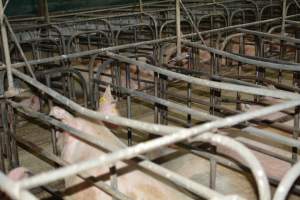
(107, 105)
(266, 100)
(133, 182)
(170, 53)
(32, 102)
(16, 174)
(19, 173)
(135, 73)
(249, 50)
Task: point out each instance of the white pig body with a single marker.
(132, 181)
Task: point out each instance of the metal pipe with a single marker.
(287, 182)
(11, 189)
(244, 59)
(119, 47)
(13, 35)
(204, 82)
(274, 137)
(268, 35)
(252, 162)
(11, 87)
(192, 22)
(177, 179)
(178, 28)
(93, 114)
(138, 149)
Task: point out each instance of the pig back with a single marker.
(132, 180)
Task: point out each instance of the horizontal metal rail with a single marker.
(138, 149)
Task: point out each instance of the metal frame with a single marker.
(101, 22)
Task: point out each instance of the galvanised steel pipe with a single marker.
(207, 83)
(287, 182)
(269, 35)
(274, 137)
(5, 45)
(12, 190)
(167, 103)
(93, 114)
(287, 67)
(148, 165)
(179, 136)
(252, 162)
(178, 28)
(115, 48)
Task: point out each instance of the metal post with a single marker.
(178, 28)
(141, 6)
(11, 87)
(43, 10)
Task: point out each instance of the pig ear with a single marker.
(245, 107)
(107, 93)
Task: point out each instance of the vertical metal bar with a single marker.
(12, 131)
(282, 48)
(53, 132)
(156, 88)
(43, 10)
(239, 70)
(296, 83)
(13, 35)
(141, 6)
(213, 173)
(2, 142)
(114, 179)
(164, 96)
(129, 130)
(6, 135)
(178, 28)
(11, 87)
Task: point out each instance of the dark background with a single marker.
(29, 7)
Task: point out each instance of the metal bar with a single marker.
(11, 189)
(243, 59)
(287, 182)
(268, 35)
(175, 178)
(204, 82)
(93, 114)
(138, 149)
(192, 22)
(178, 28)
(13, 35)
(119, 47)
(11, 87)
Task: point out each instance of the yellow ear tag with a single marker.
(102, 100)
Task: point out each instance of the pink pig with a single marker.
(132, 181)
(16, 174)
(32, 102)
(108, 105)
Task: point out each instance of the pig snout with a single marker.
(16, 174)
(19, 173)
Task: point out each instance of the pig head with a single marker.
(16, 174)
(108, 106)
